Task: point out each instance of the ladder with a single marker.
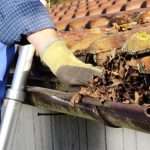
(15, 96)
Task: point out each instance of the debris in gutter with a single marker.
(127, 74)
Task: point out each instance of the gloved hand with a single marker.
(67, 68)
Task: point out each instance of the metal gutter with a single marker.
(60, 102)
(131, 116)
(110, 113)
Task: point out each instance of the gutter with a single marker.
(130, 116)
(110, 113)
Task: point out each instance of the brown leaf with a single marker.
(75, 99)
(112, 95)
(137, 98)
(116, 82)
(96, 94)
(126, 102)
(83, 91)
(122, 71)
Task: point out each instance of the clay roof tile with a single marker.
(90, 7)
(82, 13)
(61, 25)
(134, 4)
(56, 18)
(105, 4)
(113, 8)
(148, 3)
(67, 4)
(98, 22)
(73, 15)
(119, 1)
(77, 24)
(67, 16)
(96, 11)
(102, 1)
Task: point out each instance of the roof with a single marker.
(99, 30)
(93, 13)
(80, 22)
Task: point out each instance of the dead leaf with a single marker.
(75, 99)
(112, 95)
(126, 102)
(122, 71)
(83, 91)
(137, 98)
(96, 94)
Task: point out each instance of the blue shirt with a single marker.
(20, 18)
(6, 58)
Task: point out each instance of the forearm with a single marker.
(40, 39)
(44, 35)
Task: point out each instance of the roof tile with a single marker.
(119, 1)
(82, 13)
(113, 8)
(80, 24)
(96, 11)
(74, 2)
(134, 4)
(72, 15)
(81, 9)
(62, 25)
(105, 4)
(67, 16)
(67, 4)
(98, 22)
(102, 1)
(148, 3)
(55, 19)
(90, 7)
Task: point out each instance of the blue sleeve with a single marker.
(6, 58)
(20, 18)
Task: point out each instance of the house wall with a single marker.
(65, 132)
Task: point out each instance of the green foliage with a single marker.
(53, 1)
(58, 1)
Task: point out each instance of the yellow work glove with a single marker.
(67, 68)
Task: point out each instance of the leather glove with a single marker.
(67, 68)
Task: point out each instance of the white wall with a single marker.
(72, 133)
